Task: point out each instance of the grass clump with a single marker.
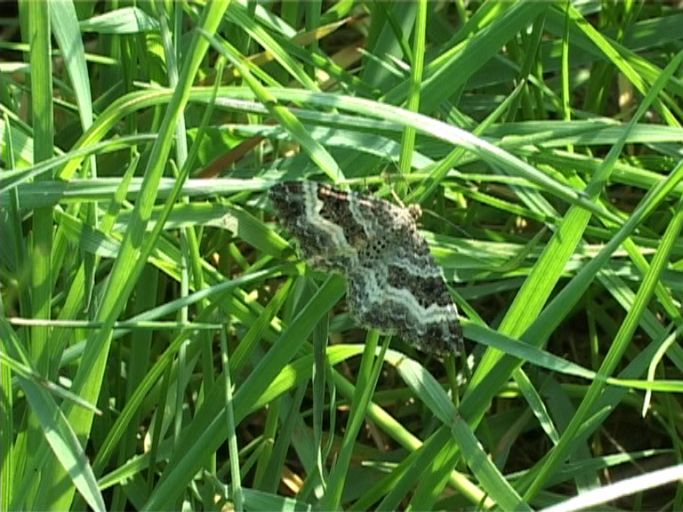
(161, 343)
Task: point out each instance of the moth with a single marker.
(394, 284)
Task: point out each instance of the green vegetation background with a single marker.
(162, 345)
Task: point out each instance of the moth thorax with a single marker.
(415, 211)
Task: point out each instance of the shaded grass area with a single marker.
(162, 343)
